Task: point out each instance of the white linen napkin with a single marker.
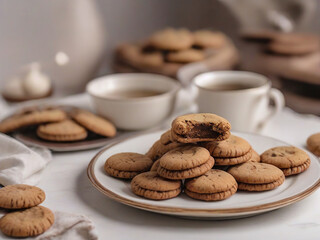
(70, 226)
(20, 164)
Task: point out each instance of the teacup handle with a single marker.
(279, 102)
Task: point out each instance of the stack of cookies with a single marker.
(25, 218)
(292, 60)
(57, 124)
(166, 51)
(199, 156)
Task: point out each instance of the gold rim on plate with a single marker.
(173, 210)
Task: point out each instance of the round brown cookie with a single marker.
(184, 157)
(296, 38)
(154, 59)
(313, 144)
(66, 130)
(31, 118)
(233, 160)
(166, 138)
(286, 158)
(234, 146)
(200, 127)
(259, 35)
(255, 157)
(209, 39)
(187, 173)
(298, 169)
(254, 176)
(260, 187)
(212, 186)
(292, 49)
(132, 56)
(294, 44)
(127, 165)
(186, 56)
(158, 149)
(152, 186)
(27, 223)
(155, 165)
(171, 39)
(20, 196)
(94, 123)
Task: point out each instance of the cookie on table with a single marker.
(209, 39)
(289, 159)
(152, 186)
(158, 149)
(64, 131)
(214, 185)
(171, 39)
(186, 56)
(27, 223)
(31, 118)
(20, 196)
(200, 127)
(313, 144)
(234, 146)
(185, 162)
(127, 165)
(94, 123)
(256, 177)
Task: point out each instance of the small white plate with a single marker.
(241, 204)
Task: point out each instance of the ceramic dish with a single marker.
(30, 138)
(242, 204)
(134, 113)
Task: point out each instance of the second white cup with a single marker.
(243, 98)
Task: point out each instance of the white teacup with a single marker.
(134, 101)
(241, 97)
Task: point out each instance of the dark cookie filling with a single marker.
(201, 131)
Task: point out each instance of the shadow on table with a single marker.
(109, 208)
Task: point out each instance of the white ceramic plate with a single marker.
(241, 204)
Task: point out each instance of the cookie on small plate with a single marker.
(64, 131)
(313, 144)
(31, 118)
(209, 39)
(150, 185)
(214, 185)
(200, 127)
(19, 196)
(171, 39)
(185, 162)
(294, 44)
(127, 165)
(289, 159)
(257, 177)
(186, 56)
(27, 223)
(94, 123)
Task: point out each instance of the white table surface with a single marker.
(68, 189)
